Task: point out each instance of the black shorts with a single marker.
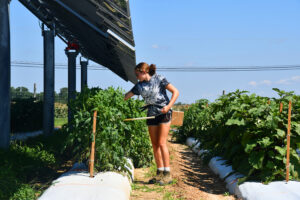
(160, 119)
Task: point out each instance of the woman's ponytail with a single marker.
(152, 69)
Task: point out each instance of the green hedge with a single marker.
(26, 115)
(248, 132)
(115, 139)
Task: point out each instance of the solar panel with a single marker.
(101, 28)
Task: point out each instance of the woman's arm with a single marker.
(128, 95)
(175, 94)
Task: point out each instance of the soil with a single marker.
(193, 180)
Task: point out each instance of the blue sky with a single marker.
(186, 33)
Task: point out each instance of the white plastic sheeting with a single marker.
(77, 185)
(231, 182)
(278, 190)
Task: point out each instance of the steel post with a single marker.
(72, 54)
(83, 74)
(4, 74)
(48, 106)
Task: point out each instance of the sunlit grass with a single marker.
(58, 122)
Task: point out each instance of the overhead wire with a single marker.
(29, 64)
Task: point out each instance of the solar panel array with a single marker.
(101, 28)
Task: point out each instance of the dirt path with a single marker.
(192, 179)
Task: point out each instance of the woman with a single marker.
(153, 88)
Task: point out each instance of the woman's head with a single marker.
(143, 69)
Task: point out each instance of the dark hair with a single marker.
(152, 69)
(144, 67)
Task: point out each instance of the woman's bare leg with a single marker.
(153, 131)
(163, 131)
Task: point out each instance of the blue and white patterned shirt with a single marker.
(154, 93)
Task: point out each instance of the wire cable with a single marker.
(28, 64)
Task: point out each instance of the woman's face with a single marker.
(140, 75)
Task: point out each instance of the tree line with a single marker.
(24, 93)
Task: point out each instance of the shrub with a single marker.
(26, 115)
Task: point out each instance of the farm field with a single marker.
(248, 130)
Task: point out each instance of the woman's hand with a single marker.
(165, 109)
(128, 95)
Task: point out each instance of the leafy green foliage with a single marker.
(249, 132)
(26, 115)
(115, 139)
(194, 115)
(25, 165)
(60, 110)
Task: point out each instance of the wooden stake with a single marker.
(138, 118)
(288, 144)
(280, 108)
(92, 156)
(269, 101)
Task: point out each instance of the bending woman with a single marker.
(152, 88)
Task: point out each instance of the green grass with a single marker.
(28, 167)
(152, 170)
(171, 196)
(145, 188)
(58, 122)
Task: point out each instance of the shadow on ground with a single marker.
(199, 175)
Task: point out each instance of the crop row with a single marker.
(249, 131)
(115, 139)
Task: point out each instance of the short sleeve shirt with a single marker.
(153, 92)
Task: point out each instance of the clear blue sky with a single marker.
(186, 33)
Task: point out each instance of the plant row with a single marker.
(249, 131)
(115, 139)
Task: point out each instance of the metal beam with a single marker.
(48, 106)
(83, 64)
(4, 74)
(72, 54)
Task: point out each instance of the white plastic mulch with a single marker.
(249, 190)
(77, 185)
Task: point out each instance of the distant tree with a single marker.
(63, 95)
(21, 92)
(40, 96)
(12, 92)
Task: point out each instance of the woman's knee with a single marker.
(155, 146)
(162, 144)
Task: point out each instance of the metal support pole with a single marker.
(4, 74)
(83, 64)
(72, 54)
(48, 106)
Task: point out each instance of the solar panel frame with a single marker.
(79, 23)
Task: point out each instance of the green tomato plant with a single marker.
(249, 132)
(115, 139)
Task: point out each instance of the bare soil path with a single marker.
(192, 179)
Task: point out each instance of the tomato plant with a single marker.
(115, 139)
